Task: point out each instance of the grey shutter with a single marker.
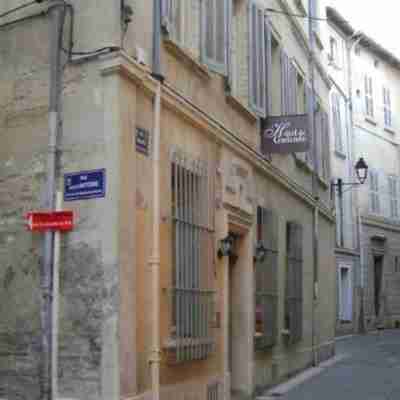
(310, 152)
(284, 83)
(294, 282)
(326, 148)
(257, 59)
(374, 198)
(268, 55)
(215, 35)
(292, 89)
(172, 19)
(266, 275)
(165, 14)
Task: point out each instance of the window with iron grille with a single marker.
(193, 254)
(294, 282)
(213, 392)
(387, 107)
(266, 280)
(394, 197)
(374, 198)
(369, 99)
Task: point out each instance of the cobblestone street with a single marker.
(368, 369)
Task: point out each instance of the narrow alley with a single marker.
(368, 368)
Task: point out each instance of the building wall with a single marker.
(90, 255)
(372, 140)
(105, 305)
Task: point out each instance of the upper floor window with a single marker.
(387, 107)
(337, 122)
(334, 52)
(259, 41)
(394, 196)
(374, 198)
(369, 99)
(215, 28)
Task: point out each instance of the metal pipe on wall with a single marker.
(311, 109)
(155, 358)
(56, 15)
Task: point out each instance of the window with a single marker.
(369, 100)
(294, 282)
(288, 86)
(333, 51)
(337, 123)
(387, 108)
(394, 197)
(397, 264)
(216, 34)
(374, 200)
(257, 40)
(266, 280)
(174, 20)
(192, 252)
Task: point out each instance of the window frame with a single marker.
(387, 107)
(369, 96)
(192, 245)
(293, 321)
(257, 59)
(266, 280)
(213, 63)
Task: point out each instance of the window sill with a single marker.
(389, 130)
(184, 55)
(371, 120)
(172, 344)
(241, 107)
(340, 154)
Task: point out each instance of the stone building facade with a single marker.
(228, 326)
(375, 100)
(338, 46)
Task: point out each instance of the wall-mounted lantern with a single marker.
(226, 246)
(260, 252)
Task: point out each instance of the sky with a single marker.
(378, 19)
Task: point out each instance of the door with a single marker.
(378, 270)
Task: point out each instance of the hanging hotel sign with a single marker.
(285, 134)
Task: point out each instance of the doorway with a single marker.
(345, 294)
(378, 271)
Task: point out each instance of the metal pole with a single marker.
(341, 208)
(311, 109)
(56, 289)
(56, 15)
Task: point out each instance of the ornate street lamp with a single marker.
(361, 168)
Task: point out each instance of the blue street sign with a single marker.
(85, 185)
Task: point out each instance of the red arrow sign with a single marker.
(52, 220)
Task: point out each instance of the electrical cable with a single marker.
(13, 10)
(41, 14)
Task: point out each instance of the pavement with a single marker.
(366, 367)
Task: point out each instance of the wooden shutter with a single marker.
(374, 200)
(310, 153)
(215, 35)
(268, 50)
(257, 59)
(284, 83)
(337, 123)
(294, 282)
(325, 151)
(266, 279)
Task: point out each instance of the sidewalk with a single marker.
(365, 368)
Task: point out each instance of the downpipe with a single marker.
(155, 356)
